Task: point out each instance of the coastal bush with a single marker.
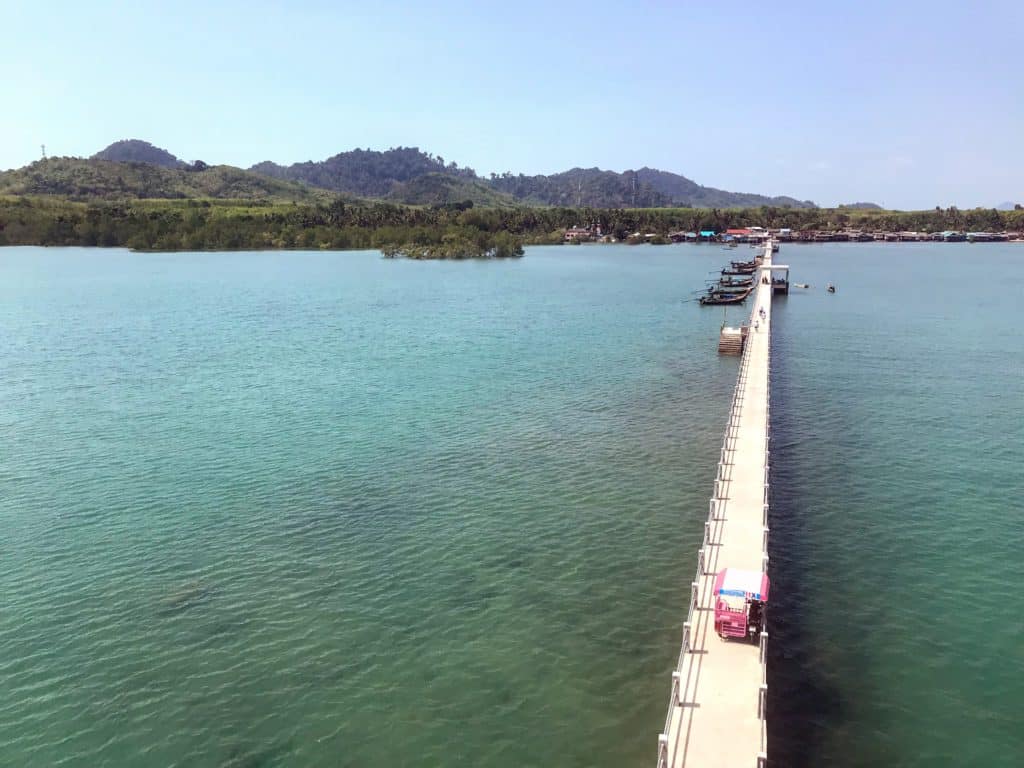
(443, 232)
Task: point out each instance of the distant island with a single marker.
(404, 202)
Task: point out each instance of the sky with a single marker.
(908, 104)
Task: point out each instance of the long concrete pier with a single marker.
(716, 713)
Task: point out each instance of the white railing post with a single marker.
(763, 651)
(762, 701)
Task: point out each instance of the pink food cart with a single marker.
(741, 599)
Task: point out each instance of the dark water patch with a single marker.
(183, 597)
(803, 703)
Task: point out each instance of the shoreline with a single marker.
(526, 244)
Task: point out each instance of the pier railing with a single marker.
(679, 686)
(762, 694)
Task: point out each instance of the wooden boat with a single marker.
(717, 290)
(734, 283)
(744, 271)
(743, 264)
(831, 288)
(715, 299)
(801, 285)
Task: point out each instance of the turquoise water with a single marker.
(283, 509)
(899, 507)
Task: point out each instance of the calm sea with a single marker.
(326, 509)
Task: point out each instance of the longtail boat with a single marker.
(727, 289)
(715, 299)
(733, 283)
(746, 271)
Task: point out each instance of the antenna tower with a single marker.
(44, 151)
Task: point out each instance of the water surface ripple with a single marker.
(324, 509)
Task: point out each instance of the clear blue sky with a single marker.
(911, 104)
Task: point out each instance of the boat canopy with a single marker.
(737, 583)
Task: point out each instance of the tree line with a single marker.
(247, 224)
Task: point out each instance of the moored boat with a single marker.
(715, 299)
(734, 283)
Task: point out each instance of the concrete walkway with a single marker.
(715, 713)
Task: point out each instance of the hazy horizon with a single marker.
(905, 107)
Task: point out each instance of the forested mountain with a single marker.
(136, 151)
(645, 188)
(387, 174)
(582, 187)
(443, 188)
(401, 175)
(365, 172)
(87, 179)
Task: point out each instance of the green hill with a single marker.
(365, 172)
(136, 151)
(440, 188)
(82, 179)
(646, 188)
(398, 174)
(134, 168)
